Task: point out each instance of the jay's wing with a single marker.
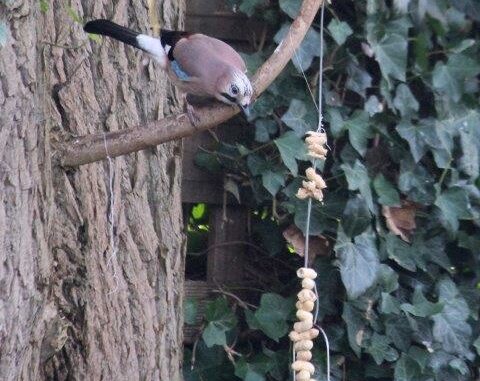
(204, 60)
(197, 53)
(193, 57)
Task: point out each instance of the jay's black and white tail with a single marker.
(128, 36)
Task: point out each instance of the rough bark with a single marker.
(68, 308)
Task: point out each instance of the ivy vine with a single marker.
(399, 261)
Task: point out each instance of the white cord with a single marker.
(319, 108)
(327, 345)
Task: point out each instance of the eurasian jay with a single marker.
(197, 64)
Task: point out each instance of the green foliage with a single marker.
(358, 262)
(271, 316)
(402, 115)
(220, 321)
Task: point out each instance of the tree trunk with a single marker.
(71, 305)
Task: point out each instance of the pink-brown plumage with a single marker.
(196, 63)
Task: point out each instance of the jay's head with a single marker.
(234, 88)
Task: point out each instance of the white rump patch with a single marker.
(153, 46)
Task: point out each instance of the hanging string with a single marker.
(111, 216)
(319, 129)
(319, 108)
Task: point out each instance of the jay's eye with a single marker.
(234, 90)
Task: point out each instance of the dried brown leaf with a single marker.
(401, 220)
(319, 245)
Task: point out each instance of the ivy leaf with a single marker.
(391, 54)
(460, 366)
(416, 182)
(278, 363)
(264, 128)
(208, 161)
(449, 78)
(415, 135)
(464, 45)
(295, 117)
(389, 304)
(381, 350)
(468, 127)
(257, 164)
(450, 327)
(357, 178)
(356, 216)
(290, 7)
(272, 315)
(399, 330)
(318, 220)
(198, 211)
(405, 101)
(400, 252)
(356, 325)
(421, 46)
(387, 194)
(340, 31)
(358, 262)
(469, 7)
(272, 181)
(253, 371)
(421, 307)
(220, 319)
(359, 131)
(291, 147)
(407, 369)
(455, 205)
(387, 279)
(308, 49)
(359, 80)
(373, 106)
(334, 117)
(209, 362)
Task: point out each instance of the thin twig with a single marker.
(240, 302)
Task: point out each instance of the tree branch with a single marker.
(91, 148)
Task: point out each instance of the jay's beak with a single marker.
(246, 110)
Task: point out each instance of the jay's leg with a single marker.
(190, 110)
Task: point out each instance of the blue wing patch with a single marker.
(179, 71)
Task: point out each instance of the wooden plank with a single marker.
(199, 185)
(208, 7)
(226, 257)
(215, 18)
(201, 292)
(231, 29)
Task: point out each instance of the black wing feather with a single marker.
(170, 38)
